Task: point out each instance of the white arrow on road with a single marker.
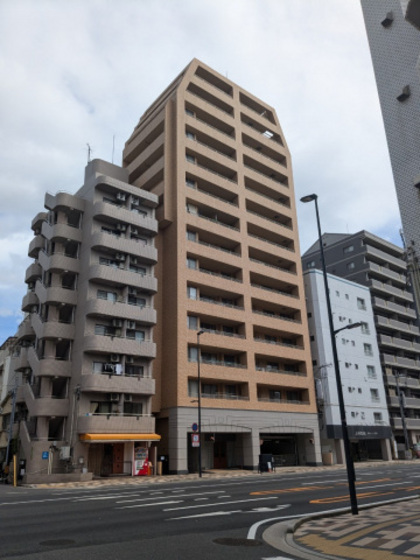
(265, 509)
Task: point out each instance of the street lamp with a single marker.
(199, 333)
(349, 460)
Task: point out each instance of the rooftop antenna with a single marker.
(89, 152)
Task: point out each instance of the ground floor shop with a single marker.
(367, 443)
(236, 438)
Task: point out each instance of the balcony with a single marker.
(35, 246)
(61, 231)
(119, 345)
(43, 406)
(411, 423)
(146, 253)
(404, 381)
(25, 330)
(104, 383)
(410, 402)
(33, 272)
(121, 310)
(118, 276)
(123, 215)
(376, 285)
(29, 301)
(399, 343)
(58, 262)
(53, 329)
(64, 200)
(48, 367)
(382, 256)
(388, 273)
(55, 294)
(391, 324)
(114, 424)
(400, 362)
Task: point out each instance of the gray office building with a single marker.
(371, 261)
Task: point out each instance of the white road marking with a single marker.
(234, 502)
(210, 514)
(150, 505)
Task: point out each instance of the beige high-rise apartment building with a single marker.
(185, 260)
(230, 302)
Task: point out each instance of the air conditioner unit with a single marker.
(121, 196)
(128, 398)
(135, 200)
(117, 323)
(134, 231)
(120, 257)
(129, 360)
(65, 453)
(114, 397)
(131, 324)
(115, 358)
(121, 227)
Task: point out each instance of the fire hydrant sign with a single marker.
(195, 440)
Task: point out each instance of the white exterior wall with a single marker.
(357, 385)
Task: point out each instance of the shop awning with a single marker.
(106, 438)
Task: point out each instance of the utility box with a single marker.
(65, 453)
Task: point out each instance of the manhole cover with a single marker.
(237, 542)
(57, 542)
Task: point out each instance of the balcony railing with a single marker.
(282, 401)
(270, 369)
(281, 292)
(277, 343)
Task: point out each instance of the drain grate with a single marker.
(237, 542)
(57, 542)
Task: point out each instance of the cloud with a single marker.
(77, 73)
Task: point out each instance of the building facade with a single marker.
(85, 348)
(373, 262)
(228, 268)
(360, 370)
(395, 49)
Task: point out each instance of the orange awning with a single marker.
(106, 438)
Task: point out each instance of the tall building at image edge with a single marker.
(228, 268)
(369, 260)
(185, 259)
(393, 31)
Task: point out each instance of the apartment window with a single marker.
(191, 292)
(192, 209)
(348, 249)
(109, 296)
(189, 112)
(374, 395)
(192, 263)
(293, 396)
(368, 349)
(192, 353)
(208, 358)
(364, 327)
(190, 135)
(361, 304)
(190, 183)
(190, 158)
(192, 322)
(312, 338)
(133, 300)
(137, 269)
(209, 390)
(272, 366)
(377, 417)
(139, 336)
(337, 293)
(192, 388)
(311, 264)
(351, 266)
(133, 409)
(371, 372)
(191, 235)
(275, 395)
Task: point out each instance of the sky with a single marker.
(75, 73)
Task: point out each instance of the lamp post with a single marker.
(346, 441)
(199, 333)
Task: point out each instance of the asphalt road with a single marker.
(205, 519)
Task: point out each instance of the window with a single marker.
(347, 296)
(192, 322)
(364, 327)
(191, 292)
(209, 390)
(351, 266)
(374, 395)
(190, 135)
(190, 183)
(190, 158)
(110, 296)
(192, 353)
(312, 338)
(139, 336)
(348, 249)
(133, 409)
(371, 372)
(275, 395)
(377, 417)
(337, 293)
(192, 209)
(361, 304)
(192, 263)
(192, 387)
(133, 300)
(191, 235)
(368, 349)
(208, 358)
(310, 264)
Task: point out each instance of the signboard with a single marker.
(45, 454)
(194, 427)
(195, 440)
